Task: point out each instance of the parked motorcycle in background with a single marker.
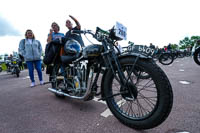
(13, 66)
(165, 58)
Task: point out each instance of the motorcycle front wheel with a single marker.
(146, 102)
(197, 56)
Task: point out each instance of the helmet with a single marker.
(72, 47)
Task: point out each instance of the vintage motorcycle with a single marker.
(136, 102)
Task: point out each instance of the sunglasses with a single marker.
(29, 33)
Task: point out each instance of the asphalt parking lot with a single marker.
(36, 110)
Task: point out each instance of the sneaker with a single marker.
(41, 82)
(32, 84)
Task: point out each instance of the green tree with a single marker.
(174, 46)
(185, 43)
(194, 39)
(188, 42)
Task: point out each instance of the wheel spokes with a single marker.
(146, 99)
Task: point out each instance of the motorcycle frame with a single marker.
(111, 60)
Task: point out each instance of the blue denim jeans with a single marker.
(38, 67)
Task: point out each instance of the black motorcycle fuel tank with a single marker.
(93, 50)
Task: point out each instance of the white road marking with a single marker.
(96, 100)
(107, 112)
(183, 132)
(181, 70)
(177, 61)
(184, 82)
(181, 64)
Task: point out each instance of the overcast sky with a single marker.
(148, 21)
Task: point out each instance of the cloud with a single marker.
(6, 29)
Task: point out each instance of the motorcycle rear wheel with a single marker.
(154, 95)
(166, 59)
(17, 72)
(54, 81)
(17, 75)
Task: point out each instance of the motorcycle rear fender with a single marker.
(134, 55)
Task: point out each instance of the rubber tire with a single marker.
(17, 72)
(196, 54)
(181, 55)
(165, 96)
(161, 56)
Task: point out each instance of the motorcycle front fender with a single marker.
(134, 55)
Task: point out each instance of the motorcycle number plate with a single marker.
(140, 49)
(120, 31)
(14, 62)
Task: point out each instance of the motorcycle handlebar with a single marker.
(82, 32)
(95, 35)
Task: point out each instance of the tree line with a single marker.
(188, 42)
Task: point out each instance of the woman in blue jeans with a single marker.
(31, 50)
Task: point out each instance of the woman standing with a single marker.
(54, 32)
(31, 50)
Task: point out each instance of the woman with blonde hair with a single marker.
(54, 32)
(31, 50)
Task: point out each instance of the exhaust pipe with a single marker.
(67, 95)
(56, 91)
